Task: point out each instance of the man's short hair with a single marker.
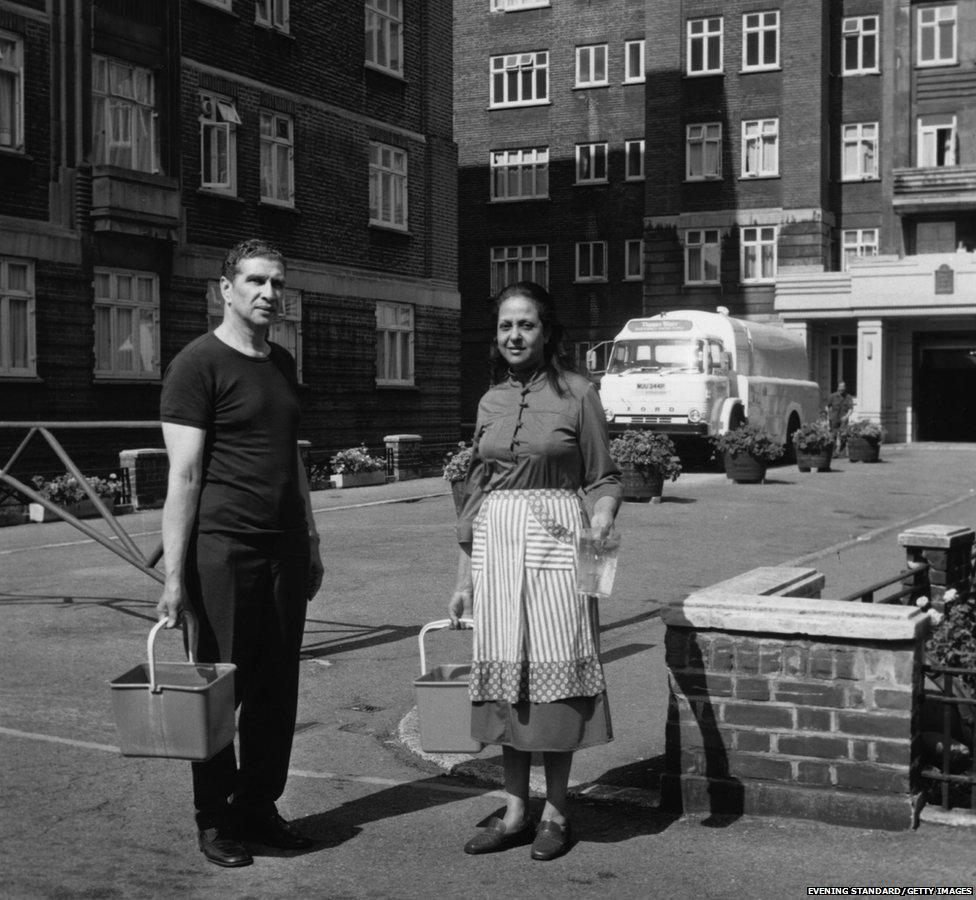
(249, 249)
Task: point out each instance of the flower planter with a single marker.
(357, 479)
(806, 460)
(458, 492)
(863, 450)
(745, 469)
(83, 509)
(13, 514)
(641, 484)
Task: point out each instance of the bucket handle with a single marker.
(189, 622)
(435, 626)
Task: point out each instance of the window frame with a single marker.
(628, 259)
(272, 142)
(114, 304)
(705, 38)
(219, 114)
(591, 247)
(526, 259)
(273, 20)
(924, 130)
(859, 245)
(641, 155)
(702, 243)
(759, 243)
(498, 168)
(762, 30)
(219, 4)
(860, 141)
(393, 329)
(588, 78)
(641, 46)
(591, 153)
(704, 141)
(933, 26)
(17, 74)
(115, 101)
(504, 6)
(859, 35)
(747, 140)
(539, 65)
(398, 178)
(390, 26)
(28, 296)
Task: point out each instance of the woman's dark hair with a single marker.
(555, 359)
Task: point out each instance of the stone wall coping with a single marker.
(402, 438)
(782, 580)
(722, 610)
(142, 451)
(938, 536)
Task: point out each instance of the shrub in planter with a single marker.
(66, 491)
(863, 439)
(355, 467)
(646, 460)
(814, 445)
(455, 472)
(747, 451)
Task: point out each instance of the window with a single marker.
(702, 256)
(18, 348)
(633, 260)
(936, 35)
(935, 237)
(286, 330)
(704, 151)
(516, 5)
(704, 46)
(387, 186)
(126, 324)
(760, 40)
(529, 262)
(273, 13)
(843, 362)
(860, 45)
(520, 79)
(218, 143)
(277, 159)
(384, 35)
(759, 253)
(633, 61)
(124, 116)
(860, 156)
(394, 343)
(634, 160)
(11, 91)
(591, 66)
(591, 163)
(937, 141)
(221, 4)
(858, 243)
(591, 261)
(520, 174)
(760, 148)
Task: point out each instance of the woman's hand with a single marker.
(603, 520)
(460, 606)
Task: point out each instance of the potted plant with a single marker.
(66, 491)
(863, 439)
(646, 459)
(814, 446)
(747, 451)
(455, 472)
(355, 467)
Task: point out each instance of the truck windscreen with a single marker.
(657, 355)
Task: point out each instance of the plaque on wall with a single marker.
(944, 279)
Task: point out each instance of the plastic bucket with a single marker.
(176, 710)
(444, 703)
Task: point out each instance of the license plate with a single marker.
(650, 386)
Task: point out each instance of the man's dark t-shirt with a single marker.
(248, 407)
(838, 406)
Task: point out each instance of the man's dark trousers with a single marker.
(249, 593)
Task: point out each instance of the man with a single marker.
(839, 407)
(240, 545)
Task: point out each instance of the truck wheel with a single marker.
(792, 427)
(737, 419)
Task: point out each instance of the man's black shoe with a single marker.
(221, 847)
(273, 831)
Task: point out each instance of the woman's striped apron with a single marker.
(535, 638)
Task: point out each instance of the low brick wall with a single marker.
(792, 705)
(148, 469)
(404, 452)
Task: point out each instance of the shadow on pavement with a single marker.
(350, 636)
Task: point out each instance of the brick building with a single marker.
(139, 140)
(807, 162)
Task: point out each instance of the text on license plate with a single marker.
(650, 386)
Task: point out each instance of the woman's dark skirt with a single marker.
(559, 726)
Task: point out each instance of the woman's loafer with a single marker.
(551, 840)
(494, 837)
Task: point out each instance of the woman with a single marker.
(536, 679)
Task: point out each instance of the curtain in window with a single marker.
(8, 95)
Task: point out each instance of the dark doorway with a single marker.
(945, 388)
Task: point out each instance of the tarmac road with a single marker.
(80, 821)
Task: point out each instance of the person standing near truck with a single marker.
(839, 406)
(240, 546)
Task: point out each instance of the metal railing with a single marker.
(914, 581)
(948, 753)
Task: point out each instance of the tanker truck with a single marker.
(694, 374)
